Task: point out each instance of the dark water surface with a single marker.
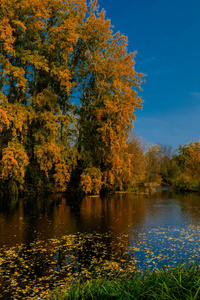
(46, 235)
(29, 219)
(25, 220)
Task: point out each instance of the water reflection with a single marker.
(29, 219)
(58, 237)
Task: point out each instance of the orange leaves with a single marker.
(47, 154)
(19, 24)
(47, 116)
(50, 158)
(66, 29)
(189, 154)
(186, 164)
(96, 27)
(14, 162)
(86, 182)
(91, 180)
(64, 78)
(57, 52)
(137, 163)
(18, 75)
(45, 101)
(4, 119)
(62, 175)
(108, 98)
(14, 117)
(6, 36)
(38, 61)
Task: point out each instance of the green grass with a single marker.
(181, 283)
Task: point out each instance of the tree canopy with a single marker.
(68, 93)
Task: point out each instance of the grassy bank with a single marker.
(181, 282)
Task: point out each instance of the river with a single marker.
(151, 230)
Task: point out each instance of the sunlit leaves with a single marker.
(14, 161)
(52, 54)
(36, 42)
(108, 96)
(6, 35)
(138, 163)
(91, 180)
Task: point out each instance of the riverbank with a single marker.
(181, 282)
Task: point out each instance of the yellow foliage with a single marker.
(47, 154)
(14, 162)
(4, 119)
(135, 149)
(86, 183)
(15, 117)
(91, 180)
(6, 32)
(62, 175)
(66, 50)
(189, 154)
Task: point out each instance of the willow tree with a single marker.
(67, 95)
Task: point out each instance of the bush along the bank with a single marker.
(187, 161)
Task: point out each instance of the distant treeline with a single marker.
(179, 169)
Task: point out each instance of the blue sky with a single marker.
(166, 36)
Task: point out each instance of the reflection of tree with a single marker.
(121, 214)
(114, 213)
(11, 222)
(48, 217)
(37, 212)
(9, 204)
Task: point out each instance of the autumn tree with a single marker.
(36, 42)
(136, 151)
(168, 166)
(153, 167)
(187, 160)
(107, 86)
(68, 92)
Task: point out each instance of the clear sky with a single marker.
(166, 36)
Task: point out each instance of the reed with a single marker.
(181, 282)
